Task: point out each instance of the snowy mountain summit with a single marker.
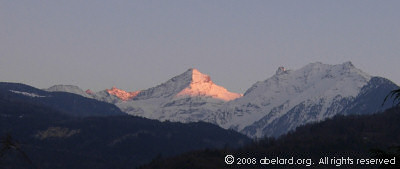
(191, 96)
(68, 89)
(293, 98)
(122, 94)
(191, 83)
(201, 85)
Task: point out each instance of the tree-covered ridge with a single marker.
(355, 136)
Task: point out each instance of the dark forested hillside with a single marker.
(66, 103)
(38, 136)
(355, 136)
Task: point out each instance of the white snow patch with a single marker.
(26, 93)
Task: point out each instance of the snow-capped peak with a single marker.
(188, 97)
(190, 83)
(68, 89)
(122, 94)
(64, 88)
(202, 85)
(90, 92)
(315, 83)
(342, 79)
(198, 77)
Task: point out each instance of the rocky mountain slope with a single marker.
(313, 93)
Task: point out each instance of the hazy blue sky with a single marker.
(139, 44)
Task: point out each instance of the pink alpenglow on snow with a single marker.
(201, 85)
(121, 94)
(88, 91)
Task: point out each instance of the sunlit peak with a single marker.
(201, 85)
(198, 77)
(121, 94)
(88, 91)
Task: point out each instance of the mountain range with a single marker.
(272, 107)
(66, 127)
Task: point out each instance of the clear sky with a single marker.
(139, 44)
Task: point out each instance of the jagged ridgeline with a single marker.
(275, 106)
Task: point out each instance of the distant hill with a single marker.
(67, 103)
(354, 136)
